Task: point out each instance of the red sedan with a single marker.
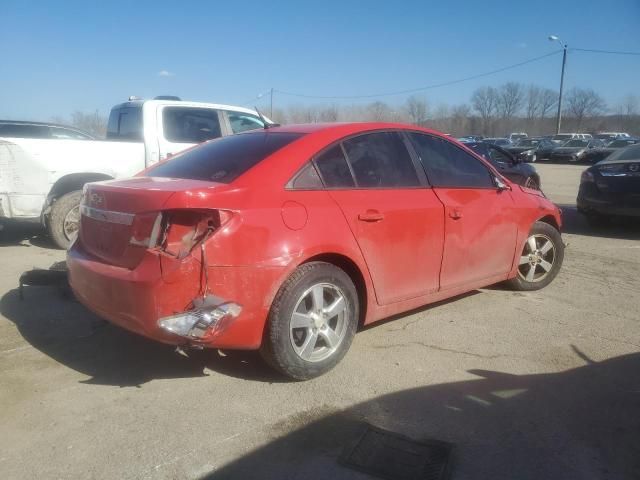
(288, 239)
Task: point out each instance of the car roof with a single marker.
(185, 103)
(349, 128)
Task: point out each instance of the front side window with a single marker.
(224, 159)
(334, 168)
(190, 125)
(448, 165)
(381, 160)
(241, 122)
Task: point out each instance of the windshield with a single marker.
(576, 143)
(527, 143)
(562, 136)
(630, 153)
(225, 159)
(620, 143)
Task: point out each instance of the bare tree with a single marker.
(484, 101)
(460, 115)
(94, 123)
(329, 114)
(534, 96)
(548, 100)
(510, 100)
(379, 111)
(583, 104)
(630, 105)
(416, 109)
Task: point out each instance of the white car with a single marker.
(42, 179)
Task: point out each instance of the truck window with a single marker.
(24, 131)
(125, 124)
(190, 125)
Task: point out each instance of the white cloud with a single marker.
(166, 73)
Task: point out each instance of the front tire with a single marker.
(312, 321)
(64, 219)
(541, 258)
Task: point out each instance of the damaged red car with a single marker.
(288, 239)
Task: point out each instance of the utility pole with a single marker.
(271, 109)
(555, 38)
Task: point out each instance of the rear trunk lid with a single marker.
(119, 217)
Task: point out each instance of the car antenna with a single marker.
(267, 124)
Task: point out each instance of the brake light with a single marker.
(586, 177)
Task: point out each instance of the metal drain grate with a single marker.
(392, 456)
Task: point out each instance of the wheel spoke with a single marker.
(317, 295)
(330, 337)
(532, 244)
(309, 345)
(335, 308)
(301, 320)
(546, 247)
(531, 273)
(524, 260)
(546, 266)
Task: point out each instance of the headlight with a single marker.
(613, 170)
(581, 153)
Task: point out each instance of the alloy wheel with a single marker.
(537, 258)
(72, 223)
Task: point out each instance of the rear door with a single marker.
(480, 222)
(181, 127)
(396, 219)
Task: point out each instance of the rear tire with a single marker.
(312, 321)
(64, 219)
(541, 258)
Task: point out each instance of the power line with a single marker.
(419, 89)
(612, 52)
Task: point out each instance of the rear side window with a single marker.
(125, 124)
(334, 168)
(241, 122)
(24, 131)
(448, 165)
(225, 159)
(190, 125)
(381, 160)
(66, 134)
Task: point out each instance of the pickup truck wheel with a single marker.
(64, 219)
(540, 260)
(312, 321)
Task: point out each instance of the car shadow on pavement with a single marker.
(620, 228)
(66, 331)
(575, 424)
(24, 234)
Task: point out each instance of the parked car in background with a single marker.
(611, 188)
(41, 179)
(600, 153)
(515, 136)
(42, 130)
(498, 141)
(509, 165)
(574, 150)
(527, 149)
(610, 136)
(471, 138)
(288, 238)
(561, 138)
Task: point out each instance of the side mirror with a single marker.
(500, 185)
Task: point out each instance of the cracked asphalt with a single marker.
(525, 385)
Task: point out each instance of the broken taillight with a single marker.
(176, 232)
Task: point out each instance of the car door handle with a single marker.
(371, 216)
(455, 214)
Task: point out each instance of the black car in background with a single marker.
(611, 188)
(527, 149)
(600, 153)
(574, 150)
(502, 142)
(511, 167)
(22, 129)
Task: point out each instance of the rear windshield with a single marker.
(225, 159)
(125, 124)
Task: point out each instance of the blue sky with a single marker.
(58, 57)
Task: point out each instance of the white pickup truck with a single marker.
(42, 179)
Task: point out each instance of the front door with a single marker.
(397, 221)
(480, 223)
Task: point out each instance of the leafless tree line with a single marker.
(491, 111)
